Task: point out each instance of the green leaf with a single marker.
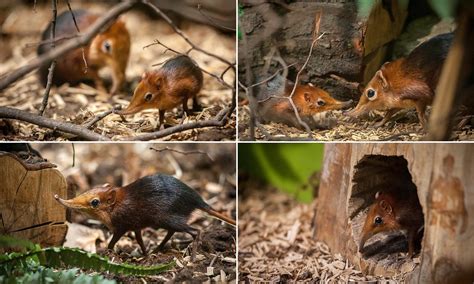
(287, 166)
(57, 257)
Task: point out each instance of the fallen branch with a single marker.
(96, 28)
(67, 127)
(219, 121)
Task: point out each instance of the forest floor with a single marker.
(213, 179)
(22, 27)
(277, 244)
(403, 127)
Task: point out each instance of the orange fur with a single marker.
(406, 82)
(175, 83)
(309, 100)
(70, 67)
(107, 195)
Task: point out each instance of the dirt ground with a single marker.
(403, 127)
(22, 27)
(213, 179)
(276, 242)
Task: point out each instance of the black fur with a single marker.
(158, 201)
(429, 57)
(180, 67)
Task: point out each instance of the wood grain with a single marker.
(443, 174)
(27, 200)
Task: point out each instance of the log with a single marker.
(443, 175)
(28, 209)
(353, 47)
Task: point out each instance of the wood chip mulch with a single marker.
(403, 127)
(276, 243)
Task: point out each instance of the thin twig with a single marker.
(272, 76)
(178, 172)
(101, 116)
(199, 6)
(73, 17)
(86, 67)
(219, 120)
(156, 41)
(96, 28)
(180, 32)
(296, 83)
(73, 155)
(49, 83)
(183, 152)
(81, 132)
(225, 71)
(249, 91)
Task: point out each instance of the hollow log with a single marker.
(443, 175)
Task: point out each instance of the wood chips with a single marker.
(276, 244)
(403, 127)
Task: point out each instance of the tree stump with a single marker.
(353, 47)
(443, 175)
(28, 209)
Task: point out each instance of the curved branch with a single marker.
(219, 120)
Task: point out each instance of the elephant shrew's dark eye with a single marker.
(106, 47)
(95, 202)
(378, 220)
(148, 97)
(371, 94)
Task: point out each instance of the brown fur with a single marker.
(305, 98)
(70, 67)
(172, 85)
(406, 82)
